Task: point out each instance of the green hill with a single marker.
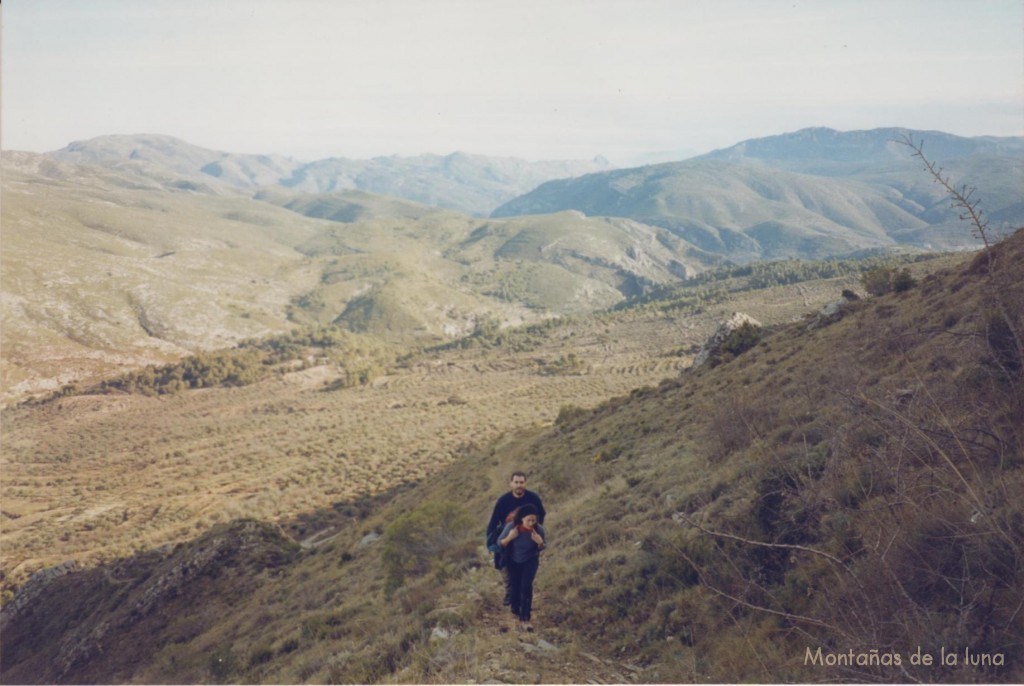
(107, 269)
(810, 194)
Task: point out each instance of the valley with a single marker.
(702, 533)
(237, 389)
(97, 477)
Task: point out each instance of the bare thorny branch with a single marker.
(764, 544)
(961, 199)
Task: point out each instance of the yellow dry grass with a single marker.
(93, 478)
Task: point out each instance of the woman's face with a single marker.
(530, 521)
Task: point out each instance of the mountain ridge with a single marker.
(825, 143)
(792, 182)
(638, 228)
(470, 183)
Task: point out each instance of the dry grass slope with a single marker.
(97, 477)
(849, 487)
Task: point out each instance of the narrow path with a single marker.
(548, 654)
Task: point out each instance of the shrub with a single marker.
(742, 339)
(423, 540)
(903, 281)
(565, 365)
(568, 414)
(877, 281)
(223, 665)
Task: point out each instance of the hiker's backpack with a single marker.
(492, 544)
(492, 539)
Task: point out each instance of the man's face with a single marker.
(518, 484)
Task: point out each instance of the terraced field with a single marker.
(95, 477)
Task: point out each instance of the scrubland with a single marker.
(94, 477)
(844, 485)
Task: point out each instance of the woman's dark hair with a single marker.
(523, 512)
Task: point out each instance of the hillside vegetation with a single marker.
(106, 269)
(275, 425)
(870, 511)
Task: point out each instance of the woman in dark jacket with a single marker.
(522, 540)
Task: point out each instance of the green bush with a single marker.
(887, 280)
(223, 665)
(877, 281)
(566, 365)
(434, 537)
(903, 281)
(568, 414)
(742, 339)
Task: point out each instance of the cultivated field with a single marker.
(96, 477)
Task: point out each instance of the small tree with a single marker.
(877, 281)
(421, 540)
(903, 281)
(742, 339)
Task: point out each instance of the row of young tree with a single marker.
(878, 274)
(253, 360)
(203, 370)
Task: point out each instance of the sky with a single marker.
(536, 79)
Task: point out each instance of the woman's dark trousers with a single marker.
(520, 583)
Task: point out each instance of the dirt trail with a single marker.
(547, 655)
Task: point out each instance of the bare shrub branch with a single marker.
(961, 199)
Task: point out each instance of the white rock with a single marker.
(721, 334)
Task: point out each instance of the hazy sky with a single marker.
(541, 79)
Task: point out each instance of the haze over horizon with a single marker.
(568, 80)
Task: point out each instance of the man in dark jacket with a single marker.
(506, 505)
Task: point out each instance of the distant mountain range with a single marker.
(474, 184)
(812, 193)
(125, 250)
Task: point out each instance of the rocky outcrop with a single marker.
(720, 340)
(119, 607)
(32, 589)
(829, 314)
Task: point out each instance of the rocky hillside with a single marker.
(132, 263)
(865, 517)
(474, 184)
